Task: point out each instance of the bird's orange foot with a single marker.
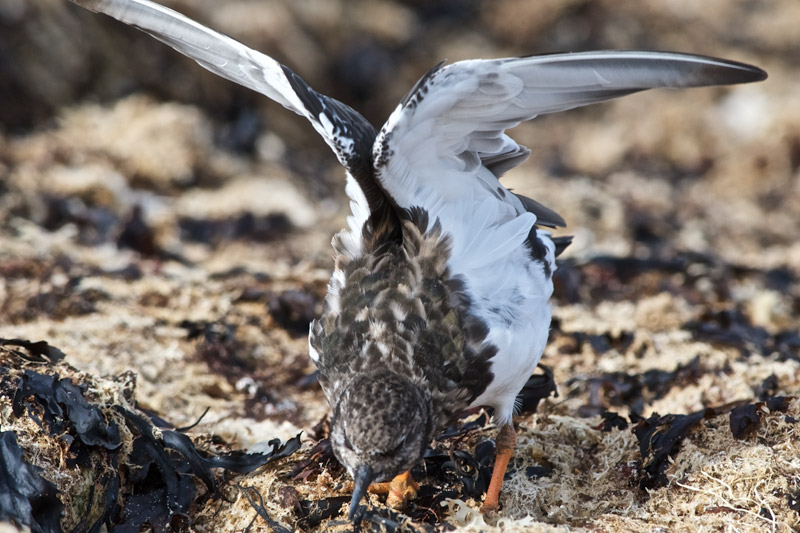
(401, 489)
(506, 441)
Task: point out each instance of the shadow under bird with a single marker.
(439, 300)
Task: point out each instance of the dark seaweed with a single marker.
(26, 498)
(732, 327)
(35, 352)
(659, 438)
(746, 419)
(247, 227)
(537, 388)
(63, 407)
(293, 310)
(155, 486)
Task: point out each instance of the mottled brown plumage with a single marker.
(401, 310)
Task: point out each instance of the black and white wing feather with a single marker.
(348, 133)
(439, 143)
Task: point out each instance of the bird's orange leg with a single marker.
(401, 489)
(506, 441)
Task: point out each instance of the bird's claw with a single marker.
(401, 489)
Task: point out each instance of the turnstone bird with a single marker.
(439, 297)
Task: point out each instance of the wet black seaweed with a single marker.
(446, 472)
(794, 501)
(660, 438)
(35, 352)
(314, 512)
(462, 427)
(261, 511)
(600, 343)
(169, 490)
(537, 388)
(64, 408)
(156, 484)
(386, 520)
(732, 327)
(729, 327)
(244, 463)
(26, 498)
(449, 474)
(678, 272)
(320, 457)
(746, 419)
(612, 421)
(293, 310)
(634, 391)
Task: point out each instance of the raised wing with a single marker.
(348, 133)
(446, 143)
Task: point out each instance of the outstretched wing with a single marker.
(348, 133)
(445, 146)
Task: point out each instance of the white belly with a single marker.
(517, 311)
(519, 351)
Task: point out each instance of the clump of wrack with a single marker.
(99, 460)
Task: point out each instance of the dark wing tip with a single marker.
(692, 70)
(681, 70)
(756, 73)
(561, 243)
(544, 215)
(732, 72)
(660, 68)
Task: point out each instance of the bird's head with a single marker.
(380, 428)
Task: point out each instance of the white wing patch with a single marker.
(218, 53)
(312, 352)
(349, 240)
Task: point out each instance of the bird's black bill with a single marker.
(363, 477)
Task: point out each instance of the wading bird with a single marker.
(439, 299)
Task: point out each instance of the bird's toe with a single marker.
(399, 491)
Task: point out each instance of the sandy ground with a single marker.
(170, 234)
